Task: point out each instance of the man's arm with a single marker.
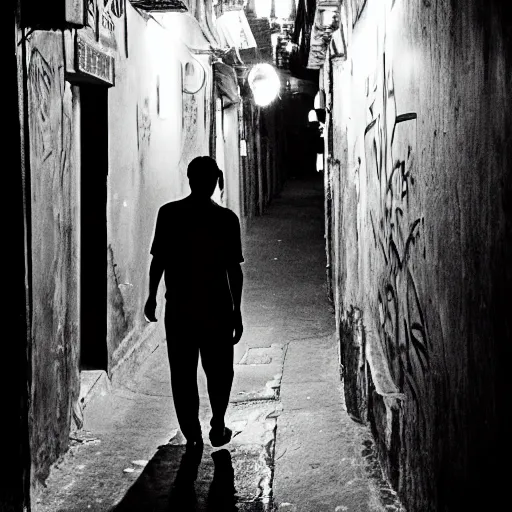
(236, 281)
(156, 270)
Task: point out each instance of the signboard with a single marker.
(90, 51)
(92, 63)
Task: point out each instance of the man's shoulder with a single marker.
(225, 212)
(172, 206)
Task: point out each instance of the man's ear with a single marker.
(221, 181)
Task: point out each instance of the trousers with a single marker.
(186, 342)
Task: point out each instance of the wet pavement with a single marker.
(294, 447)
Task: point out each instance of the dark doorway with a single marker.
(93, 214)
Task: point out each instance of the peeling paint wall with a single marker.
(419, 183)
(54, 242)
(155, 130)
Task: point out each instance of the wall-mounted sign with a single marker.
(94, 63)
(90, 51)
(87, 61)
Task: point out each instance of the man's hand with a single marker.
(238, 327)
(149, 310)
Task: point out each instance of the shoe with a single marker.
(219, 438)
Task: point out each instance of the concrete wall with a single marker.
(263, 169)
(419, 193)
(53, 228)
(156, 129)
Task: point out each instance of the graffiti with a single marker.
(189, 126)
(92, 14)
(54, 321)
(390, 144)
(41, 78)
(143, 130)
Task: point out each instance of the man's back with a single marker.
(197, 241)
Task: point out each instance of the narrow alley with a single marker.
(295, 447)
(311, 197)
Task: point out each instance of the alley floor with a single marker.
(295, 447)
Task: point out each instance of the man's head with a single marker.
(203, 174)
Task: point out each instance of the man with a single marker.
(197, 244)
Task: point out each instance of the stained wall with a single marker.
(419, 191)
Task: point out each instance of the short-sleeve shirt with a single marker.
(197, 244)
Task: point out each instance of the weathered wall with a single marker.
(420, 158)
(54, 242)
(156, 129)
(231, 158)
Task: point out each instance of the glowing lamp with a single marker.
(264, 83)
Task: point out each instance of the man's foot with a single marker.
(220, 437)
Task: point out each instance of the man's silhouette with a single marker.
(197, 244)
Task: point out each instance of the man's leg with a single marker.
(217, 361)
(183, 354)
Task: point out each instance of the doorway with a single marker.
(93, 225)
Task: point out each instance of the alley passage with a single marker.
(295, 447)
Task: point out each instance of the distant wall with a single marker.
(262, 163)
(419, 191)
